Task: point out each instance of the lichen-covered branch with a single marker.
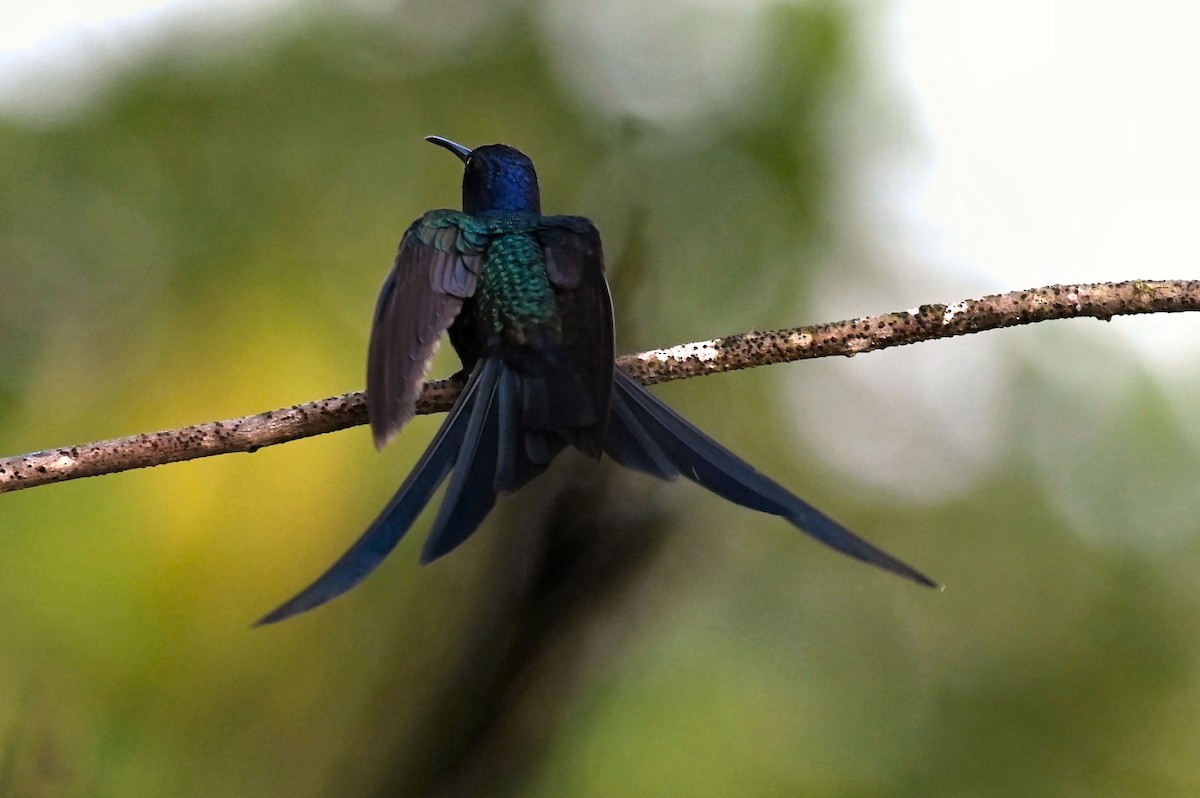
(744, 350)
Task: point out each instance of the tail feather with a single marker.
(630, 444)
(523, 453)
(528, 408)
(510, 457)
(471, 494)
(397, 517)
(648, 436)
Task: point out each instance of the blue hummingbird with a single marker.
(525, 302)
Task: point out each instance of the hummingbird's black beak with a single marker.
(458, 149)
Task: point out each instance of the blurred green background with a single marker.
(205, 240)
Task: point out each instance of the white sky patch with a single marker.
(1063, 138)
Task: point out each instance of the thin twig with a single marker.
(744, 350)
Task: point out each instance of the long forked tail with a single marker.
(646, 435)
(469, 436)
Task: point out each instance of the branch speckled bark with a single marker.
(744, 350)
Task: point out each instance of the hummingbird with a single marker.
(524, 300)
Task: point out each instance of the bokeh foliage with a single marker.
(205, 241)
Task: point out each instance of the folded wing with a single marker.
(436, 268)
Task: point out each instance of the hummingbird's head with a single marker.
(496, 178)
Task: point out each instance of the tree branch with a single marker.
(744, 350)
